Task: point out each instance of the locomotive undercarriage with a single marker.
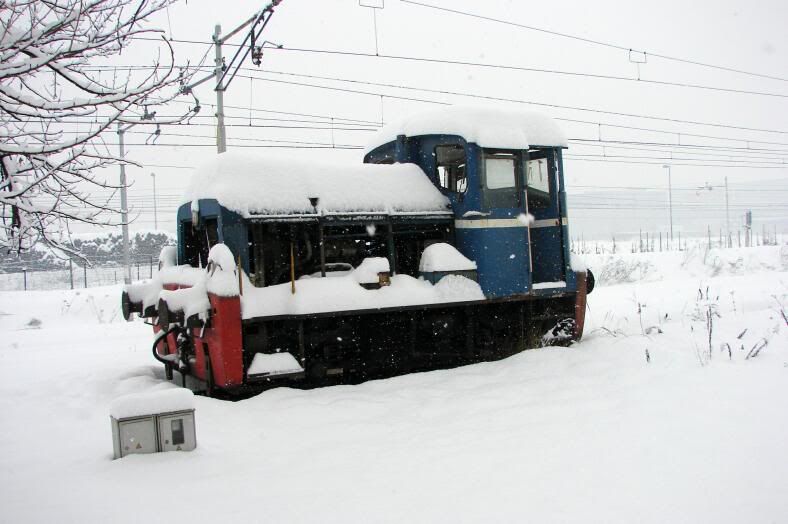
(364, 345)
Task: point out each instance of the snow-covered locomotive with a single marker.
(448, 245)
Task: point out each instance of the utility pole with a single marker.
(221, 70)
(221, 133)
(670, 201)
(155, 214)
(124, 126)
(124, 209)
(727, 214)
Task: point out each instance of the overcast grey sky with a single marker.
(747, 36)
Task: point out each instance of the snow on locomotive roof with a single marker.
(263, 185)
(485, 126)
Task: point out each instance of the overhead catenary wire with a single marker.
(598, 76)
(475, 96)
(465, 63)
(597, 42)
(661, 162)
(531, 102)
(611, 144)
(778, 155)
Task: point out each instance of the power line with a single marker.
(596, 42)
(573, 186)
(666, 147)
(670, 158)
(476, 96)
(687, 146)
(672, 163)
(246, 139)
(159, 144)
(517, 68)
(681, 150)
(531, 102)
(533, 70)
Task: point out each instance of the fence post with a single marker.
(138, 269)
(151, 266)
(71, 273)
(85, 273)
(24, 276)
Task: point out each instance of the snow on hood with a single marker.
(252, 184)
(485, 126)
(444, 257)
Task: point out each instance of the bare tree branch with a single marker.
(46, 165)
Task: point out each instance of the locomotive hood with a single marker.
(485, 126)
(260, 185)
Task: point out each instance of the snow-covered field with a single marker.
(592, 433)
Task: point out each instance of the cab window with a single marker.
(451, 169)
(538, 181)
(500, 180)
(197, 242)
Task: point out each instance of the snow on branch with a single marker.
(59, 91)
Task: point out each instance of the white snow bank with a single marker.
(149, 403)
(457, 288)
(274, 364)
(181, 275)
(320, 295)
(488, 127)
(250, 184)
(444, 257)
(192, 300)
(146, 292)
(222, 278)
(149, 291)
(577, 435)
(697, 261)
(219, 278)
(367, 271)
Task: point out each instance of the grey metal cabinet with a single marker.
(173, 431)
(136, 435)
(176, 432)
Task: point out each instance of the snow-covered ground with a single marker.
(591, 433)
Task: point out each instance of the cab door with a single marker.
(546, 229)
(496, 236)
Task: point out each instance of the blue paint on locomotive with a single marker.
(501, 256)
(231, 229)
(510, 258)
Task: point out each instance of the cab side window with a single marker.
(451, 167)
(538, 175)
(500, 180)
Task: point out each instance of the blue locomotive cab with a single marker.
(502, 173)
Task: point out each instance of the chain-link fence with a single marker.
(16, 276)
